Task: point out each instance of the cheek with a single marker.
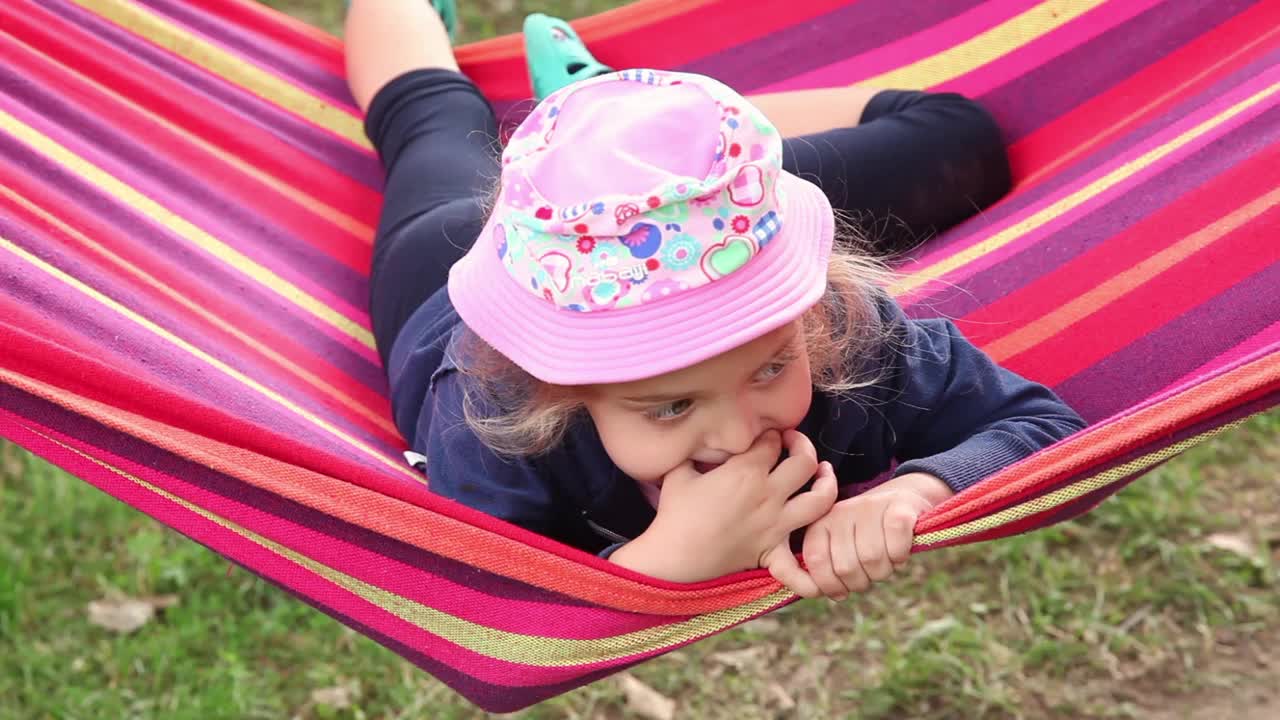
(795, 394)
(641, 451)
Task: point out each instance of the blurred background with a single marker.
(1161, 604)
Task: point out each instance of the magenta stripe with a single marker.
(355, 162)
(1158, 359)
(855, 28)
(127, 345)
(125, 155)
(898, 54)
(1097, 225)
(299, 263)
(301, 71)
(1045, 49)
(976, 235)
(190, 268)
(1043, 92)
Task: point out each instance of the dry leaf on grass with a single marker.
(645, 701)
(126, 614)
(1237, 543)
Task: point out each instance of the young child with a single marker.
(653, 308)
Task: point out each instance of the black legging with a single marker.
(917, 163)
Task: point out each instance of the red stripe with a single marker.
(1109, 112)
(221, 178)
(670, 38)
(49, 35)
(1206, 273)
(191, 323)
(250, 321)
(1156, 231)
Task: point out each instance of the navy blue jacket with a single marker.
(942, 407)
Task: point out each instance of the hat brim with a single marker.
(786, 278)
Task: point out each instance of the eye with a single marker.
(669, 411)
(772, 370)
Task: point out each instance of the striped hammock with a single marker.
(186, 208)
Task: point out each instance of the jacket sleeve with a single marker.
(949, 410)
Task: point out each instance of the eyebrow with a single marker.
(786, 353)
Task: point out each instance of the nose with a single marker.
(735, 427)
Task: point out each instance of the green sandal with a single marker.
(556, 55)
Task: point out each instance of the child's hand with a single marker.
(733, 517)
(866, 538)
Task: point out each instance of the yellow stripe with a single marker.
(533, 650)
(205, 54)
(136, 200)
(919, 277)
(1065, 495)
(1118, 286)
(377, 418)
(199, 354)
(984, 47)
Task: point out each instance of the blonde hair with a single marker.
(516, 414)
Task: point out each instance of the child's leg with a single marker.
(804, 112)
(916, 164)
(385, 38)
(437, 138)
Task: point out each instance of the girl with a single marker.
(616, 348)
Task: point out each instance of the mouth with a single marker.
(705, 467)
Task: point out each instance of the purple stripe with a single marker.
(1069, 80)
(163, 461)
(205, 87)
(241, 42)
(197, 268)
(1152, 362)
(850, 30)
(1103, 154)
(1098, 227)
(132, 349)
(128, 158)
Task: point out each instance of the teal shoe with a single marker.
(556, 55)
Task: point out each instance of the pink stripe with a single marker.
(119, 168)
(981, 233)
(1045, 48)
(288, 573)
(923, 44)
(1265, 342)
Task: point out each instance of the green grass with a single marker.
(1110, 616)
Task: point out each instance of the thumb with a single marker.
(783, 566)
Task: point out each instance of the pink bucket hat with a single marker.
(644, 224)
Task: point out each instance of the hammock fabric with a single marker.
(186, 208)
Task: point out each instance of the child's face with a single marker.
(706, 413)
